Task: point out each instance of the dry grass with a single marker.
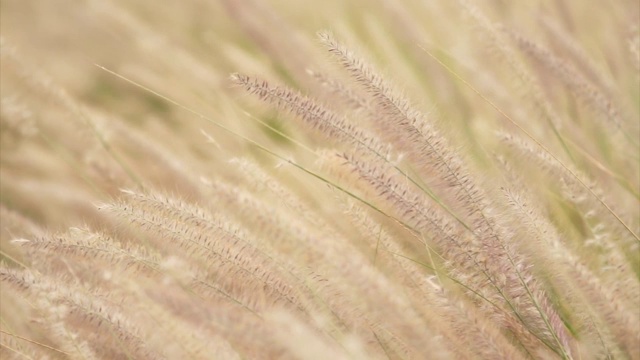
(280, 179)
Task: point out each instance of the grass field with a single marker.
(278, 179)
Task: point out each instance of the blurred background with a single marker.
(73, 133)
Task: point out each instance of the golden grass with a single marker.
(312, 180)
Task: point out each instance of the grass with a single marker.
(347, 180)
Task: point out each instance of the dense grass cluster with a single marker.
(319, 180)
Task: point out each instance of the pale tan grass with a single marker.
(364, 209)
